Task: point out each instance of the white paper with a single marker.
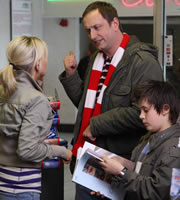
(89, 173)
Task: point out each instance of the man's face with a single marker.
(99, 30)
(152, 120)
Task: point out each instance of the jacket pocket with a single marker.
(119, 96)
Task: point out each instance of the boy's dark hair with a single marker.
(105, 9)
(158, 93)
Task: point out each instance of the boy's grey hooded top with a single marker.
(118, 128)
(156, 179)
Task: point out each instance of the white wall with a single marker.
(60, 40)
(37, 19)
(4, 30)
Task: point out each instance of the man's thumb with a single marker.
(71, 53)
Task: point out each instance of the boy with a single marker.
(157, 156)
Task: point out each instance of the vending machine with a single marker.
(53, 170)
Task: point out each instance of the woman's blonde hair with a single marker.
(23, 52)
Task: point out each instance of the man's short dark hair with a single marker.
(159, 93)
(107, 11)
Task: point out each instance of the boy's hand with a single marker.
(111, 165)
(97, 194)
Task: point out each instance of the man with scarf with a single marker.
(107, 116)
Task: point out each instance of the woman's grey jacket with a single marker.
(25, 121)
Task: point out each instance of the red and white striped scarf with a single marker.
(92, 108)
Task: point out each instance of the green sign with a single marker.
(63, 0)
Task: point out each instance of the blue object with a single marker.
(51, 164)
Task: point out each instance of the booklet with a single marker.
(175, 184)
(89, 173)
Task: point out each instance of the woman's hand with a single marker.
(68, 157)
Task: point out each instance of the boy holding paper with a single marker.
(157, 156)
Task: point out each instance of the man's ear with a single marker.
(165, 109)
(115, 23)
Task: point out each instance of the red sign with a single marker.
(148, 3)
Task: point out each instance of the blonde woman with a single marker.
(25, 120)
